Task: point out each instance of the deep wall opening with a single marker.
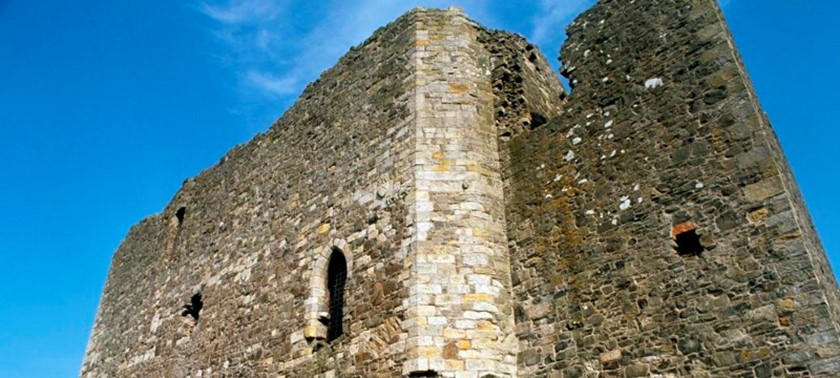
(537, 119)
(336, 281)
(688, 243)
(424, 374)
(180, 215)
(193, 309)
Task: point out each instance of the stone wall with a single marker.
(390, 157)
(257, 227)
(646, 224)
(460, 315)
(663, 134)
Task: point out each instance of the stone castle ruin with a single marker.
(436, 205)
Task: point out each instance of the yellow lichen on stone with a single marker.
(443, 165)
(480, 233)
(787, 305)
(477, 297)
(311, 331)
(323, 229)
(458, 88)
(484, 325)
(758, 215)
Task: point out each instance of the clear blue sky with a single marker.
(107, 106)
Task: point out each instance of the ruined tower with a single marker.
(437, 205)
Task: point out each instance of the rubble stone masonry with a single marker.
(493, 225)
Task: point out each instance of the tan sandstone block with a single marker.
(311, 331)
(450, 333)
(610, 356)
(484, 325)
(455, 365)
(477, 297)
(429, 352)
(480, 233)
(458, 88)
(764, 189)
(323, 229)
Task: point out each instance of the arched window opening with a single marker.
(336, 279)
(180, 215)
(173, 230)
(424, 374)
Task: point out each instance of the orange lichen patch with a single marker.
(682, 227)
(440, 158)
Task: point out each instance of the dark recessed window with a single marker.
(193, 309)
(537, 120)
(423, 374)
(688, 243)
(336, 280)
(180, 214)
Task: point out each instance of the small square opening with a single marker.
(688, 243)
